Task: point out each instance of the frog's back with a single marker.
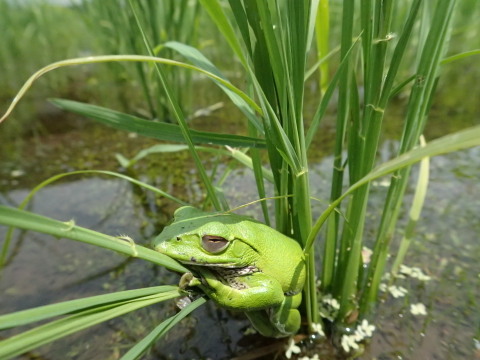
(280, 257)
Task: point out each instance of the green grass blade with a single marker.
(460, 56)
(241, 20)
(23, 204)
(417, 111)
(101, 172)
(260, 174)
(322, 29)
(57, 329)
(214, 9)
(29, 221)
(330, 90)
(199, 60)
(178, 114)
(155, 149)
(235, 153)
(246, 160)
(415, 210)
(141, 347)
(157, 130)
(118, 58)
(24, 317)
(460, 140)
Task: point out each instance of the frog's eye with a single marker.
(214, 244)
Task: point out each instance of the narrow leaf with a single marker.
(29, 221)
(55, 330)
(199, 60)
(157, 130)
(24, 317)
(141, 347)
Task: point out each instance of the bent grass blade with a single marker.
(460, 140)
(415, 211)
(122, 58)
(23, 204)
(195, 57)
(29, 221)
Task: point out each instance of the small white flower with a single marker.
(331, 301)
(318, 329)
(382, 287)
(365, 329)
(424, 278)
(291, 349)
(349, 343)
(406, 270)
(329, 307)
(397, 291)
(418, 274)
(414, 272)
(418, 309)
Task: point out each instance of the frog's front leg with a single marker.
(278, 321)
(246, 293)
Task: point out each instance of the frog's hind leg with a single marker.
(278, 321)
(286, 318)
(260, 320)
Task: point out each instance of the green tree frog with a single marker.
(241, 264)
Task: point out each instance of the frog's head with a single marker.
(207, 239)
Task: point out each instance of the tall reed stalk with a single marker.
(276, 38)
(161, 21)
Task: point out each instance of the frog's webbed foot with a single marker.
(188, 280)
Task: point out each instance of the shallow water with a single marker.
(43, 270)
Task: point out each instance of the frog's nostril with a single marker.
(178, 238)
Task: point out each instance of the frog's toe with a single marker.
(188, 280)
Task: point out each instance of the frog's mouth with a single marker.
(225, 270)
(193, 261)
(229, 272)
